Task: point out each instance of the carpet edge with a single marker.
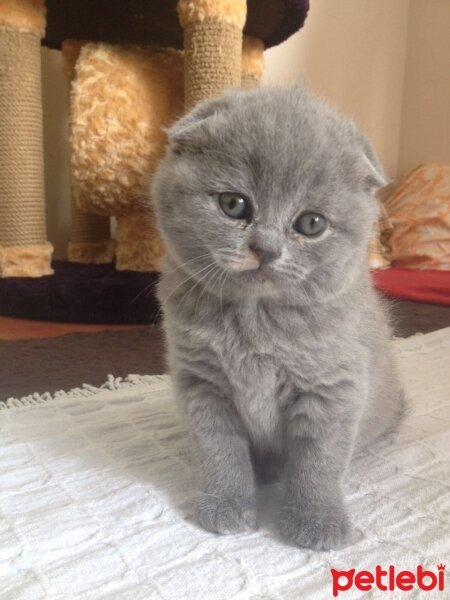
(130, 383)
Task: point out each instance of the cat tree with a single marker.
(223, 42)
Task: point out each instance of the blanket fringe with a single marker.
(86, 391)
(403, 346)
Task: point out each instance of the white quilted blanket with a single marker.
(95, 491)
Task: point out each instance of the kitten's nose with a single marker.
(264, 255)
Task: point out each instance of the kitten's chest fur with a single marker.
(276, 344)
(267, 358)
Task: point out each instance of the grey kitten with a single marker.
(278, 343)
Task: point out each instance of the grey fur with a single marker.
(287, 368)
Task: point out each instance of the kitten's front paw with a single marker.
(222, 515)
(321, 529)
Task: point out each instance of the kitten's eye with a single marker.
(235, 205)
(310, 224)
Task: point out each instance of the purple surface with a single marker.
(79, 293)
(155, 22)
(294, 18)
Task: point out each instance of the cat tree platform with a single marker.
(156, 22)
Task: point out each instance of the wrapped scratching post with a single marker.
(213, 46)
(24, 250)
(90, 235)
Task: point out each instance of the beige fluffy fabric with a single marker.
(23, 15)
(70, 50)
(231, 12)
(26, 261)
(91, 253)
(139, 247)
(252, 61)
(120, 99)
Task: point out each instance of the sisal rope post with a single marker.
(90, 235)
(24, 250)
(212, 45)
(252, 62)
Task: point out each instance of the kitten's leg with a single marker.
(320, 432)
(227, 503)
(267, 466)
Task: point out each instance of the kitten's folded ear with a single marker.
(374, 176)
(189, 132)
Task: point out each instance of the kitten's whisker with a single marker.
(198, 282)
(196, 259)
(182, 283)
(226, 273)
(192, 276)
(204, 290)
(145, 289)
(214, 278)
(152, 285)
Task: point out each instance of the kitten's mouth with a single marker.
(246, 267)
(264, 273)
(255, 270)
(258, 282)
